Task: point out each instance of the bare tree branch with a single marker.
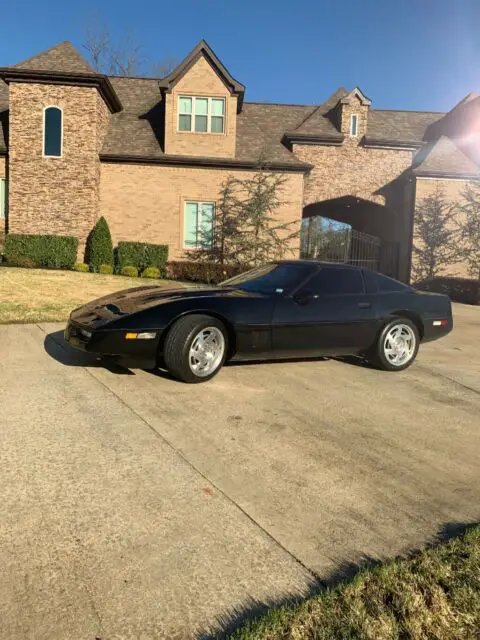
(124, 57)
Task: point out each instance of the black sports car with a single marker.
(286, 309)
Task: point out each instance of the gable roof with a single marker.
(63, 58)
(443, 157)
(62, 64)
(356, 93)
(203, 49)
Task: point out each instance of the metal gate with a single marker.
(326, 239)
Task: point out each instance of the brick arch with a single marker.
(363, 215)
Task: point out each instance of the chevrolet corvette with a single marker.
(283, 310)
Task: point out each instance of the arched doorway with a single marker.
(351, 230)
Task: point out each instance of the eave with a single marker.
(445, 175)
(317, 139)
(97, 80)
(385, 143)
(209, 163)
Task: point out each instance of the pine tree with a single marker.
(436, 236)
(246, 231)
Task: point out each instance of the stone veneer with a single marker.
(146, 202)
(55, 195)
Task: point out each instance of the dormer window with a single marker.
(201, 115)
(353, 125)
(52, 132)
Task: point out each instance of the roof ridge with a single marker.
(153, 78)
(310, 115)
(411, 111)
(281, 104)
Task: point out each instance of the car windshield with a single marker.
(270, 278)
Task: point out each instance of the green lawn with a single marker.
(42, 295)
(434, 595)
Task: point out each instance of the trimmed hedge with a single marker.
(207, 272)
(82, 267)
(130, 271)
(151, 272)
(457, 289)
(106, 269)
(99, 249)
(55, 252)
(142, 255)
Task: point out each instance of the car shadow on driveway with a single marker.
(239, 616)
(56, 347)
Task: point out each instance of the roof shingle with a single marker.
(62, 58)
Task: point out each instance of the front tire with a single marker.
(195, 348)
(397, 346)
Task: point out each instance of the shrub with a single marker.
(142, 255)
(56, 252)
(207, 272)
(128, 270)
(20, 261)
(151, 272)
(99, 248)
(106, 269)
(457, 289)
(82, 266)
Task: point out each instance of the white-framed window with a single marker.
(3, 198)
(199, 218)
(354, 124)
(201, 115)
(52, 132)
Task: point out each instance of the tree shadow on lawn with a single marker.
(252, 609)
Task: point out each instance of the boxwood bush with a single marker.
(142, 255)
(82, 267)
(99, 249)
(151, 272)
(129, 270)
(54, 252)
(106, 269)
(207, 272)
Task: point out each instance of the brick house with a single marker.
(151, 154)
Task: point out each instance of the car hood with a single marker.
(129, 301)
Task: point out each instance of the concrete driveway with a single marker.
(134, 506)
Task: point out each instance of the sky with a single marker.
(403, 54)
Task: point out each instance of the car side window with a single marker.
(370, 278)
(386, 284)
(331, 281)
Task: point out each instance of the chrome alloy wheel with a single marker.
(399, 346)
(206, 351)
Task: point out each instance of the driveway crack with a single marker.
(314, 575)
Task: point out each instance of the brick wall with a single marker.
(200, 80)
(146, 203)
(55, 195)
(3, 173)
(452, 190)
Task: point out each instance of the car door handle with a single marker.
(364, 305)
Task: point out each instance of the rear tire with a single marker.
(195, 348)
(397, 346)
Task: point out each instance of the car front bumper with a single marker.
(115, 344)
